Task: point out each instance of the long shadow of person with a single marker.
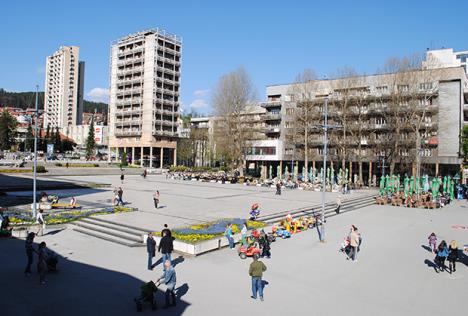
(427, 248)
(182, 290)
(431, 264)
(177, 260)
(158, 262)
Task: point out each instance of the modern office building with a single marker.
(63, 104)
(444, 58)
(369, 109)
(144, 97)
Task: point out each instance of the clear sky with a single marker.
(273, 40)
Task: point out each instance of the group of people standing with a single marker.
(44, 258)
(165, 247)
(443, 253)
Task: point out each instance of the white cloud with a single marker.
(201, 93)
(198, 104)
(99, 95)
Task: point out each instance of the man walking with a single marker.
(278, 188)
(166, 230)
(156, 199)
(151, 249)
(120, 194)
(354, 242)
(256, 272)
(166, 245)
(169, 278)
(29, 252)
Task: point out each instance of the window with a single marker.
(425, 86)
(382, 89)
(263, 151)
(403, 103)
(424, 102)
(403, 88)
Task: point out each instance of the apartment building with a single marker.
(445, 58)
(369, 108)
(64, 83)
(144, 97)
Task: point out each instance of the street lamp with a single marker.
(34, 208)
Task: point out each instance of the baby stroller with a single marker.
(146, 295)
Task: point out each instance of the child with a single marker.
(432, 242)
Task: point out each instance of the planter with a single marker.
(21, 232)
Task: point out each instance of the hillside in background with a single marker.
(26, 100)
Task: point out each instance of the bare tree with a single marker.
(230, 99)
(305, 114)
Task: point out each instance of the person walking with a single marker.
(151, 249)
(264, 245)
(338, 205)
(166, 230)
(169, 278)
(42, 262)
(29, 252)
(452, 256)
(278, 188)
(120, 195)
(166, 246)
(256, 270)
(432, 242)
(228, 235)
(354, 243)
(442, 254)
(156, 197)
(244, 234)
(40, 220)
(122, 177)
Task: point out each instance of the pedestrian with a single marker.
(120, 195)
(166, 230)
(452, 256)
(264, 245)
(338, 205)
(151, 249)
(29, 252)
(278, 188)
(42, 262)
(432, 242)
(166, 246)
(244, 233)
(156, 197)
(145, 173)
(354, 243)
(256, 270)
(122, 177)
(228, 235)
(40, 220)
(442, 254)
(169, 278)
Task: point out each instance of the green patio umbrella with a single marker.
(304, 174)
(412, 185)
(286, 173)
(444, 186)
(434, 187)
(322, 175)
(398, 182)
(270, 172)
(452, 190)
(382, 186)
(278, 172)
(311, 174)
(386, 184)
(390, 184)
(406, 186)
(426, 183)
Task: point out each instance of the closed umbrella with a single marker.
(386, 184)
(444, 186)
(406, 186)
(278, 172)
(270, 172)
(426, 183)
(382, 186)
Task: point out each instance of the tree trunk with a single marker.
(306, 157)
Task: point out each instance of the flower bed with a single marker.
(21, 218)
(202, 232)
(15, 170)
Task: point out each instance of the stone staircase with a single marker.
(119, 233)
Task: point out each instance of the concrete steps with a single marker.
(346, 206)
(111, 231)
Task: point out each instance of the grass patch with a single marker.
(15, 170)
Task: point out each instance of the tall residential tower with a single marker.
(144, 97)
(64, 88)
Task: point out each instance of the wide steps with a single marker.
(111, 231)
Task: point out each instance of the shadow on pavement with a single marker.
(426, 248)
(182, 290)
(76, 289)
(177, 260)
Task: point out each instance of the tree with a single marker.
(464, 143)
(90, 141)
(7, 130)
(57, 140)
(305, 115)
(29, 141)
(230, 99)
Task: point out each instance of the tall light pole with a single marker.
(34, 208)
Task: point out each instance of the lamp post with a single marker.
(34, 208)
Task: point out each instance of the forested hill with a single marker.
(26, 100)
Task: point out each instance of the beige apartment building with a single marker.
(144, 97)
(64, 82)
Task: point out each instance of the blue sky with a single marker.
(273, 40)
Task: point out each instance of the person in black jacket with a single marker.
(151, 249)
(452, 256)
(166, 245)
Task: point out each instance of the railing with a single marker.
(270, 103)
(273, 116)
(127, 133)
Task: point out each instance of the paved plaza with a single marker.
(394, 275)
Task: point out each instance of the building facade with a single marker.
(63, 104)
(382, 118)
(144, 97)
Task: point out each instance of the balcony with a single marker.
(130, 70)
(127, 133)
(272, 130)
(272, 116)
(128, 112)
(129, 101)
(270, 104)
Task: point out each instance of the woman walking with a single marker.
(442, 254)
(452, 256)
(228, 234)
(156, 197)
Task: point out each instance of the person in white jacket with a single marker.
(40, 220)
